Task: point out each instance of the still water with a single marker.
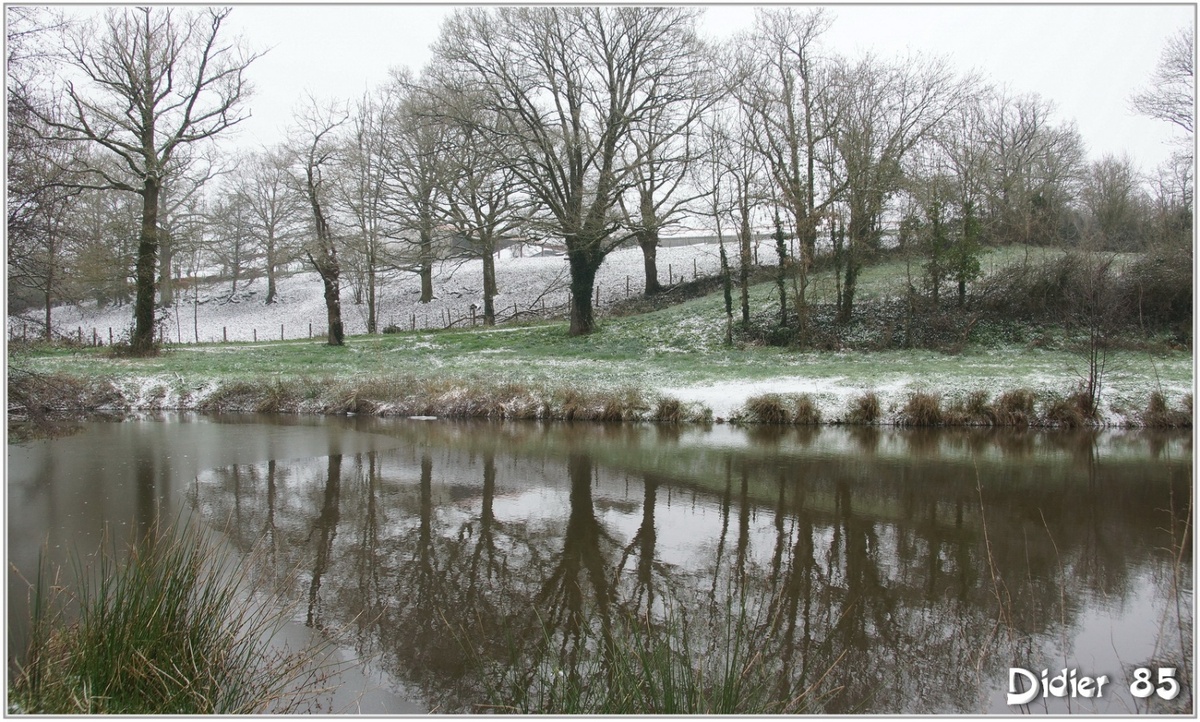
(871, 571)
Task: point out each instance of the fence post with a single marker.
(414, 321)
(254, 331)
(281, 332)
(597, 294)
(695, 273)
(81, 336)
(224, 335)
(110, 335)
(94, 338)
(310, 329)
(670, 275)
(627, 287)
(24, 331)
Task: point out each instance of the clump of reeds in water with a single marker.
(170, 629)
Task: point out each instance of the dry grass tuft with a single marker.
(806, 411)
(1015, 408)
(921, 409)
(668, 410)
(864, 410)
(1159, 415)
(766, 409)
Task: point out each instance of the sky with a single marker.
(1087, 59)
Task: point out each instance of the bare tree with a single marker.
(572, 84)
(889, 108)
(1035, 167)
(316, 148)
(1116, 205)
(362, 193)
(661, 150)
(484, 199)
(789, 91)
(736, 174)
(414, 165)
(276, 210)
(151, 80)
(1172, 92)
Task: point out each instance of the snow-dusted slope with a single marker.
(537, 284)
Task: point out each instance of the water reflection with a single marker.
(882, 571)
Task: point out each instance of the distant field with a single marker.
(676, 351)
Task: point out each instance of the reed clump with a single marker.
(171, 629)
(1015, 408)
(1159, 415)
(865, 409)
(1067, 412)
(921, 409)
(766, 409)
(668, 410)
(806, 411)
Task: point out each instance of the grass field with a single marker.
(676, 351)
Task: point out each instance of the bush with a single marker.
(864, 409)
(921, 409)
(766, 409)
(1158, 415)
(807, 412)
(668, 410)
(1015, 408)
(1069, 412)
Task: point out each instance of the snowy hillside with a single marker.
(533, 285)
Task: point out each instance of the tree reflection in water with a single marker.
(871, 571)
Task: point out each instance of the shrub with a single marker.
(668, 410)
(1159, 415)
(1015, 408)
(766, 409)
(864, 409)
(1069, 412)
(806, 409)
(921, 409)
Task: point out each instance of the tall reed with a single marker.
(170, 629)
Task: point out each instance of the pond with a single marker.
(467, 567)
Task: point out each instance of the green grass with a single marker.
(677, 346)
(168, 628)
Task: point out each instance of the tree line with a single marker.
(588, 127)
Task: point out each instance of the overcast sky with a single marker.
(1087, 59)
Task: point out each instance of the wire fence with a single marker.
(170, 331)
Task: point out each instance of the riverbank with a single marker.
(669, 362)
(434, 376)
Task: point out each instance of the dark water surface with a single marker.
(877, 571)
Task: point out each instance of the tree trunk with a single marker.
(744, 239)
(426, 267)
(584, 265)
(648, 240)
(270, 271)
(489, 287)
(166, 261)
(853, 265)
(147, 252)
(372, 320)
(333, 304)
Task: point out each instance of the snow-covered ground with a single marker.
(538, 286)
(535, 285)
